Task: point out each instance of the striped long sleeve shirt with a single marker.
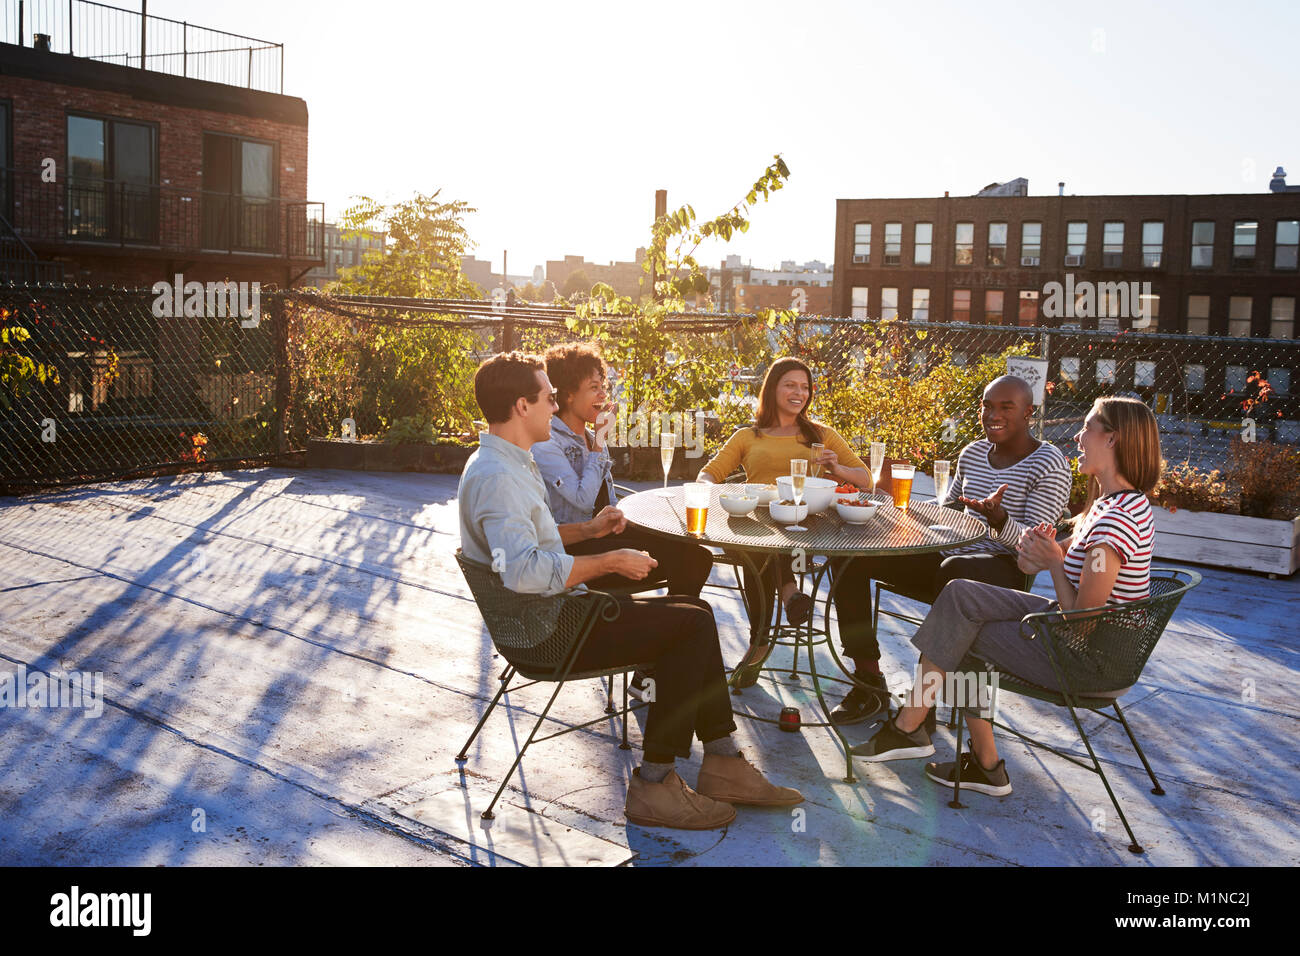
(1038, 489)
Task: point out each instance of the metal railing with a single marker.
(111, 34)
(168, 218)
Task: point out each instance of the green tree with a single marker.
(577, 284)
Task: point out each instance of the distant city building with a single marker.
(479, 271)
(623, 277)
(343, 253)
(740, 287)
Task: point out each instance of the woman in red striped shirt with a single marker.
(1107, 561)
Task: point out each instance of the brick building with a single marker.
(117, 175)
(1217, 264)
(625, 278)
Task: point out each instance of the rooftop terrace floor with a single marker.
(291, 660)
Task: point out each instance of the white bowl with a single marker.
(737, 504)
(763, 493)
(817, 492)
(853, 514)
(787, 514)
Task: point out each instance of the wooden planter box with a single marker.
(1228, 541)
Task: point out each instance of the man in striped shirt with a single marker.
(1009, 480)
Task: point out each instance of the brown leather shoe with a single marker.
(736, 780)
(673, 804)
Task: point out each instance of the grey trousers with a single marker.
(984, 620)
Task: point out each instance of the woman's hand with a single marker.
(1038, 550)
(828, 460)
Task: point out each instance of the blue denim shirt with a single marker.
(573, 473)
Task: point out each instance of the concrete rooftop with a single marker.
(291, 659)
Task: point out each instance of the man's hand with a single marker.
(629, 563)
(609, 521)
(990, 507)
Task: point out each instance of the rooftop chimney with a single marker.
(1061, 188)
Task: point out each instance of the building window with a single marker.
(862, 242)
(112, 180)
(1239, 316)
(920, 305)
(961, 305)
(993, 299)
(1202, 245)
(889, 303)
(965, 244)
(1280, 380)
(240, 211)
(1282, 317)
(1106, 371)
(893, 243)
(1144, 374)
(997, 250)
(1076, 241)
(1146, 316)
(1234, 378)
(1028, 314)
(922, 244)
(1288, 241)
(1031, 243)
(859, 310)
(1070, 368)
(1153, 244)
(1198, 315)
(1194, 378)
(1243, 242)
(1112, 245)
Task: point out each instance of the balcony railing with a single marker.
(107, 213)
(110, 34)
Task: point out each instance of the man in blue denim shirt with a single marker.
(503, 515)
(575, 465)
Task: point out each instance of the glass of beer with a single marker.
(798, 476)
(901, 482)
(697, 506)
(942, 476)
(877, 462)
(667, 441)
(814, 467)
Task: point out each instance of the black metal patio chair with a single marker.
(540, 637)
(1098, 655)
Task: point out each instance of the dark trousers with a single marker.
(683, 565)
(678, 635)
(922, 575)
(851, 603)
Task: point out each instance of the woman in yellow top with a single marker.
(782, 430)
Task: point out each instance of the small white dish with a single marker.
(857, 514)
(788, 514)
(764, 493)
(738, 504)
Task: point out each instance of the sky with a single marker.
(558, 121)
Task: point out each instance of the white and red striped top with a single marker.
(1122, 520)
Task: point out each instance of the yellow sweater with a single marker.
(765, 458)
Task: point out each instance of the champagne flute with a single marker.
(798, 475)
(942, 477)
(877, 463)
(815, 468)
(666, 447)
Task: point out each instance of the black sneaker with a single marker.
(994, 782)
(890, 743)
(863, 703)
(637, 686)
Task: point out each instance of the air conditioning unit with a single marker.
(1029, 260)
(862, 258)
(1074, 260)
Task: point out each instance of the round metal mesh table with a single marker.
(757, 540)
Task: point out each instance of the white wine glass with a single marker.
(798, 475)
(877, 463)
(815, 468)
(667, 445)
(942, 476)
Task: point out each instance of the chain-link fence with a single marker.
(135, 389)
(104, 382)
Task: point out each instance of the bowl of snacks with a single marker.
(738, 504)
(786, 512)
(853, 510)
(817, 492)
(764, 493)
